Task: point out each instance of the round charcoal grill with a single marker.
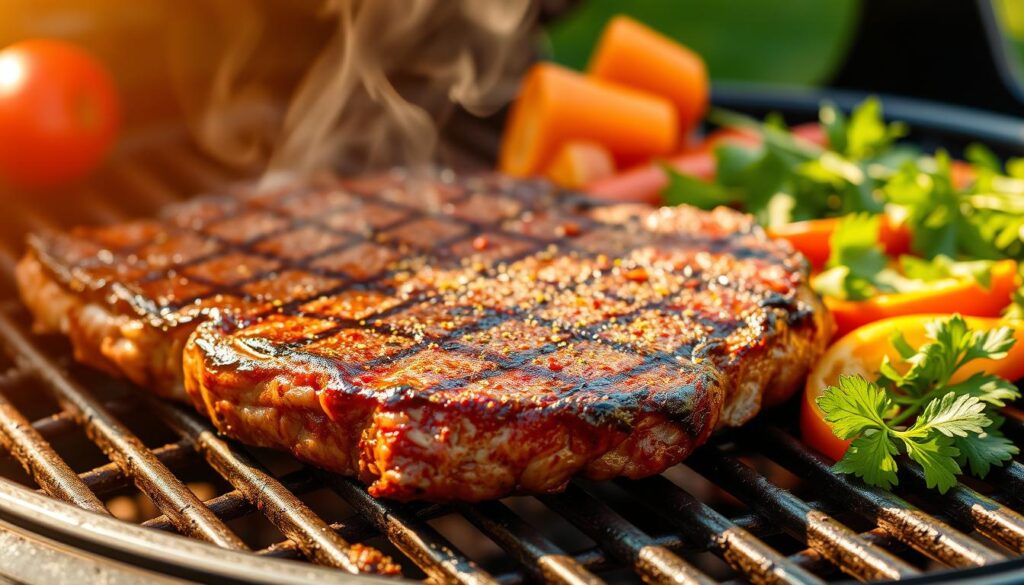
(101, 481)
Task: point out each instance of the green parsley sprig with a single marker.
(865, 168)
(788, 179)
(944, 426)
(858, 267)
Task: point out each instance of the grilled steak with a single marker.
(443, 339)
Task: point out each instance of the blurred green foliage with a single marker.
(783, 41)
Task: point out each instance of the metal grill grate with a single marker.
(765, 508)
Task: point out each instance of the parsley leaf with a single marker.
(854, 406)
(855, 260)
(984, 450)
(953, 416)
(871, 458)
(867, 134)
(858, 267)
(987, 388)
(942, 426)
(937, 456)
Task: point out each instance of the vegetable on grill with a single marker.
(635, 55)
(579, 163)
(556, 105)
(926, 387)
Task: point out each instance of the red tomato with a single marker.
(59, 113)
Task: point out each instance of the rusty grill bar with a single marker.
(737, 499)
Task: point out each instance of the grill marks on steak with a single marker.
(455, 339)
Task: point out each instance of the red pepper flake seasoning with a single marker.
(636, 275)
(554, 366)
(480, 243)
(568, 230)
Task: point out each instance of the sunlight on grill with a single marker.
(756, 505)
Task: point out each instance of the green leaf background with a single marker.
(783, 41)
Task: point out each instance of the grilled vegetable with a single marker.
(862, 284)
(632, 54)
(862, 352)
(556, 105)
(937, 404)
(811, 237)
(580, 163)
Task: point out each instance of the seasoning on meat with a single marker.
(457, 338)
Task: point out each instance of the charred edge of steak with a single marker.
(119, 344)
(412, 447)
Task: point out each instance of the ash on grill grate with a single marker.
(92, 441)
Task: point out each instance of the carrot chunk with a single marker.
(579, 163)
(635, 55)
(557, 105)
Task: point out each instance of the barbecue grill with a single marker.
(103, 482)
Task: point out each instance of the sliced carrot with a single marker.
(556, 105)
(633, 54)
(579, 163)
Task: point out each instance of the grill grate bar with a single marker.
(834, 540)
(906, 522)
(812, 560)
(282, 507)
(42, 462)
(109, 478)
(1010, 480)
(653, 562)
(415, 538)
(757, 561)
(169, 494)
(55, 425)
(540, 557)
(64, 422)
(354, 529)
(595, 559)
(965, 505)
(234, 504)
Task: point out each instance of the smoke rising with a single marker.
(379, 76)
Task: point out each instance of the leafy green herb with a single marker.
(865, 169)
(788, 179)
(858, 267)
(943, 426)
(692, 191)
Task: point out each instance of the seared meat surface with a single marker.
(443, 339)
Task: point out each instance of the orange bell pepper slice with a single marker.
(861, 352)
(556, 105)
(812, 237)
(633, 54)
(967, 297)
